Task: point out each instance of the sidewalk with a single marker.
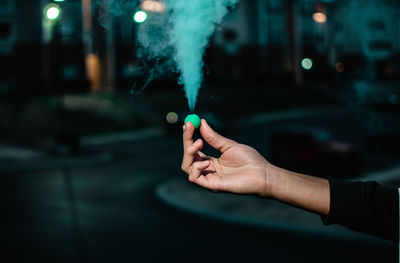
(52, 163)
(14, 160)
(10, 152)
(248, 210)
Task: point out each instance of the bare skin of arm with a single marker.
(241, 169)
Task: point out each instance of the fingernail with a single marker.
(197, 143)
(184, 127)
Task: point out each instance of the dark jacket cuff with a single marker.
(347, 202)
(364, 206)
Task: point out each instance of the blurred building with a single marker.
(370, 27)
(360, 32)
(96, 43)
(19, 44)
(367, 38)
(41, 47)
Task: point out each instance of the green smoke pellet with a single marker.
(194, 119)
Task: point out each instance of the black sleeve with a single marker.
(366, 207)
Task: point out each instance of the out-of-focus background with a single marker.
(90, 128)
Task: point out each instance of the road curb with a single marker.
(168, 192)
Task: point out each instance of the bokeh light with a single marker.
(172, 117)
(339, 67)
(153, 6)
(307, 63)
(389, 71)
(140, 16)
(319, 17)
(52, 11)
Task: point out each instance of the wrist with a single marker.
(268, 180)
(300, 190)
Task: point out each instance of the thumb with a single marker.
(214, 139)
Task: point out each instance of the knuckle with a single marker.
(190, 149)
(185, 168)
(208, 137)
(196, 165)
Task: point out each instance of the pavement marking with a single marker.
(125, 136)
(293, 114)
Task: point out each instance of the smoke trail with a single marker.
(155, 51)
(193, 22)
(183, 35)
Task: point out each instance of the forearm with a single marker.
(300, 190)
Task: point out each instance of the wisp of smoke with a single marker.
(105, 10)
(192, 24)
(182, 33)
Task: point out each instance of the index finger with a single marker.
(189, 148)
(188, 131)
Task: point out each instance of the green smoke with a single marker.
(193, 22)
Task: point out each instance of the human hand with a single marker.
(239, 169)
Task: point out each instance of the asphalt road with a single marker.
(109, 213)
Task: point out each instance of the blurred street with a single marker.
(109, 210)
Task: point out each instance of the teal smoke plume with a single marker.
(192, 24)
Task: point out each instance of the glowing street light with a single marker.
(140, 16)
(307, 63)
(319, 17)
(52, 11)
